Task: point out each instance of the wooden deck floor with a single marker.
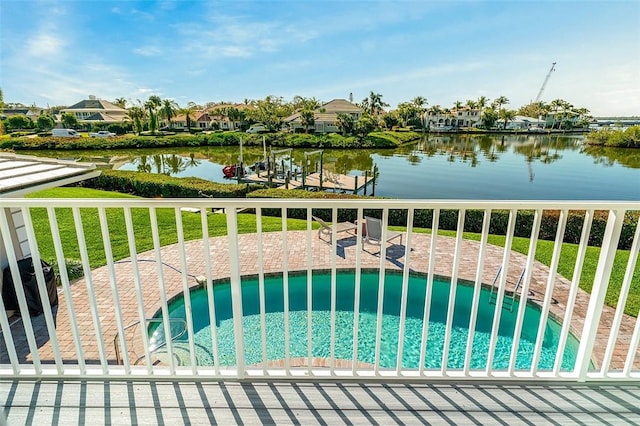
(326, 403)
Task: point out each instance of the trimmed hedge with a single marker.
(291, 140)
(473, 218)
(151, 185)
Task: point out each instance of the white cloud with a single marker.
(141, 15)
(45, 44)
(148, 51)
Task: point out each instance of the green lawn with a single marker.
(141, 226)
(247, 224)
(568, 255)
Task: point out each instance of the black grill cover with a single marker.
(30, 286)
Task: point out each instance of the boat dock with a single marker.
(276, 174)
(314, 181)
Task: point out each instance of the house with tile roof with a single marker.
(91, 111)
(326, 117)
(221, 118)
(199, 120)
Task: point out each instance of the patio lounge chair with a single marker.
(374, 232)
(327, 229)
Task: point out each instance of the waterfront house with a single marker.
(461, 117)
(96, 111)
(198, 120)
(326, 117)
(521, 122)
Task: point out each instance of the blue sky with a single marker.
(59, 52)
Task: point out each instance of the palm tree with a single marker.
(482, 102)
(136, 114)
(307, 119)
(188, 113)
(488, 118)
(502, 100)
(421, 104)
(152, 104)
(235, 115)
(374, 103)
(121, 102)
(506, 115)
(556, 105)
(457, 105)
(155, 100)
(471, 104)
(168, 111)
(419, 101)
(153, 121)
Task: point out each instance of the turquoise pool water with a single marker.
(321, 326)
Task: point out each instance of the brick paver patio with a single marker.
(297, 260)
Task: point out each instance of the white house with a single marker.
(462, 117)
(521, 122)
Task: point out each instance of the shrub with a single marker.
(157, 185)
(292, 140)
(627, 138)
(448, 219)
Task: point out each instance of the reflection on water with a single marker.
(443, 166)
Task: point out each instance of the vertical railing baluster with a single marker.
(66, 288)
(356, 300)
(261, 291)
(4, 320)
(526, 282)
(622, 302)
(429, 290)
(163, 294)
(42, 288)
(22, 301)
(8, 339)
(452, 290)
(477, 289)
(633, 348)
(236, 290)
(546, 304)
(381, 280)
(334, 285)
(133, 254)
(405, 290)
(500, 295)
(211, 302)
(573, 291)
(598, 291)
(309, 293)
(186, 292)
(106, 243)
(86, 266)
(285, 293)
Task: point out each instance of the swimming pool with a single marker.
(366, 338)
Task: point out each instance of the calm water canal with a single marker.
(527, 167)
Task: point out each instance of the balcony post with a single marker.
(598, 292)
(236, 289)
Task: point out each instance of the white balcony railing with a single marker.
(285, 303)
